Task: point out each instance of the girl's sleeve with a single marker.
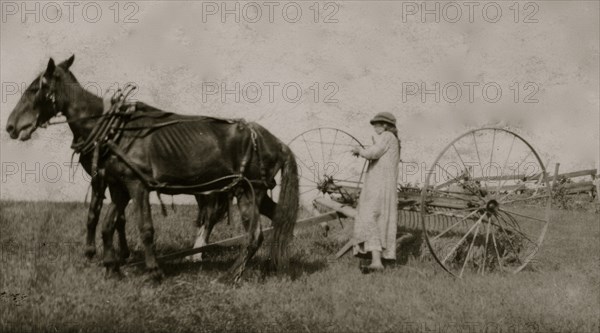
(377, 150)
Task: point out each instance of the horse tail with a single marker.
(286, 212)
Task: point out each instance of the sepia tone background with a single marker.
(365, 50)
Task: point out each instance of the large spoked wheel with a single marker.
(326, 167)
(480, 185)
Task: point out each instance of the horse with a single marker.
(209, 211)
(169, 153)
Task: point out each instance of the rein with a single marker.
(60, 122)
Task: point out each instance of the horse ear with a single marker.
(67, 63)
(50, 68)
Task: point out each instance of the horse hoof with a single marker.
(90, 252)
(228, 279)
(156, 275)
(113, 272)
(124, 255)
(196, 258)
(268, 267)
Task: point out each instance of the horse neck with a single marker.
(81, 104)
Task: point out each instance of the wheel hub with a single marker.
(492, 206)
(326, 185)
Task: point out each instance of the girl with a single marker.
(377, 212)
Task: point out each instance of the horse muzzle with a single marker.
(24, 133)
(11, 131)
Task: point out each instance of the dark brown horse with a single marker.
(168, 153)
(20, 126)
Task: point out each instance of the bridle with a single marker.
(44, 117)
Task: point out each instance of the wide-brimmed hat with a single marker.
(384, 117)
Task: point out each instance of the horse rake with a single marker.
(470, 212)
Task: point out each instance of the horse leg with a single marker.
(141, 201)
(115, 219)
(120, 197)
(203, 231)
(249, 212)
(98, 188)
(267, 207)
(202, 236)
(108, 230)
(210, 212)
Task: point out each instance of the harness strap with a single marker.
(162, 205)
(95, 158)
(261, 166)
(192, 189)
(146, 180)
(254, 147)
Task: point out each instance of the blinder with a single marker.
(45, 103)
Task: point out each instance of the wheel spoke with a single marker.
(515, 190)
(525, 179)
(328, 143)
(479, 159)
(462, 239)
(522, 234)
(507, 238)
(343, 156)
(322, 148)
(469, 251)
(312, 181)
(333, 145)
(497, 253)
(510, 220)
(312, 189)
(315, 165)
(487, 236)
(505, 164)
(301, 161)
(454, 225)
(461, 160)
(526, 199)
(455, 196)
(525, 158)
(522, 215)
(452, 180)
(493, 146)
(345, 179)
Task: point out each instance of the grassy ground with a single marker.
(47, 285)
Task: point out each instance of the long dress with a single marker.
(377, 211)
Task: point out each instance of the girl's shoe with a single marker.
(371, 269)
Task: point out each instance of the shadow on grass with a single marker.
(222, 259)
(411, 248)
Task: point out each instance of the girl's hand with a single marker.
(355, 151)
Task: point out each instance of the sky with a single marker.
(531, 67)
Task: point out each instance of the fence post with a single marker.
(596, 180)
(556, 166)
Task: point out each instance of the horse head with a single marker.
(45, 97)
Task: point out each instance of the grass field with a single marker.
(48, 285)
